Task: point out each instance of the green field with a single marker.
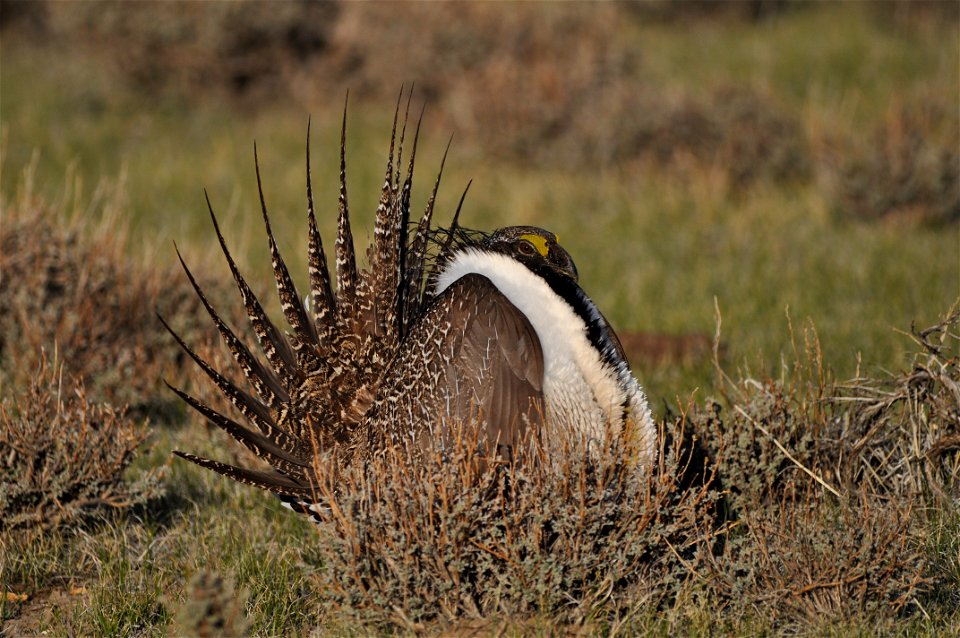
(661, 242)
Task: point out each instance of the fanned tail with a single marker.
(376, 290)
(402, 230)
(253, 409)
(446, 248)
(274, 345)
(264, 380)
(319, 380)
(270, 480)
(417, 256)
(273, 446)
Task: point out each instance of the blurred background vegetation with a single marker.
(769, 155)
(781, 161)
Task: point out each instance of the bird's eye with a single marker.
(526, 248)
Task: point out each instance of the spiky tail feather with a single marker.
(315, 387)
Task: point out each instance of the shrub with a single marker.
(804, 559)
(245, 50)
(899, 435)
(739, 133)
(537, 84)
(63, 457)
(799, 502)
(81, 295)
(896, 436)
(580, 540)
(827, 484)
(908, 169)
(544, 86)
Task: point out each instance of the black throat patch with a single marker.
(598, 330)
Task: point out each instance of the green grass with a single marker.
(837, 54)
(134, 567)
(654, 249)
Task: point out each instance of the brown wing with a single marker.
(472, 358)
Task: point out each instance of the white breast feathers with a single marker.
(580, 389)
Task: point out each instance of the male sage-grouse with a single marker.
(445, 327)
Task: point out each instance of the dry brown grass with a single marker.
(740, 133)
(902, 432)
(543, 84)
(797, 499)
(81, 356)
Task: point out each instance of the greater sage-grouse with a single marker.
(445, 327)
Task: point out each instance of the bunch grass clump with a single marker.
(903, 430)
(63, 457)
(829, 485)
(896, 435)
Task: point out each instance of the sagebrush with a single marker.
(581, 537)
(63, 457)
(68, 286)
(787, 499)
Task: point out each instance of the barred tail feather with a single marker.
(253, 409)
(269, 480)
(274, 346)
(402, 286)
(321, 293)
(416, 259)
(276, 447)
(293, 309)
(448, 244)
(345, 255)
(376, 290)
(403, 133)
(263, 380)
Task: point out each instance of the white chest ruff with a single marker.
(580, 389)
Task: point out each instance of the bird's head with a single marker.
(534, 247)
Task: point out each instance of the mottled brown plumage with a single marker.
(389, 356)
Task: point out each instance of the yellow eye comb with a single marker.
(538, 242)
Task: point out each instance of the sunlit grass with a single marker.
(841, 54)
(656, 250)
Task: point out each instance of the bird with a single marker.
(445, 328)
